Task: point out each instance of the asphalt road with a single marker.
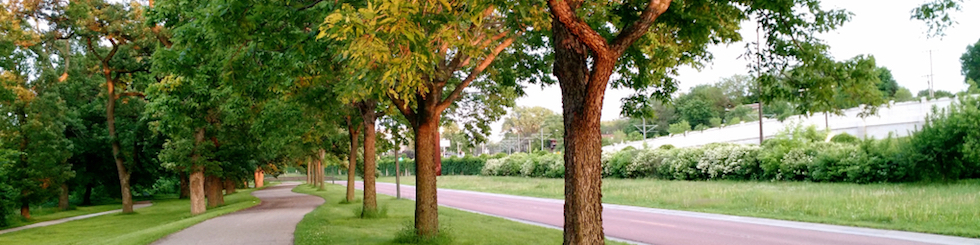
(271, 222)
(659, 226)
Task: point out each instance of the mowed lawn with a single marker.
(143, 227)
(337, 223)
(52, 213)
(941, 208)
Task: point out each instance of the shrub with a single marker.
(467, 165)
(666, 147)
(845, 138)
(946, 147)
(682, 163)
(646, 164)
(729, 161)
(616, 163)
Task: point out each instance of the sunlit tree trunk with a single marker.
(352, 158)
(63, 197)
(196, 178)
(368, 118)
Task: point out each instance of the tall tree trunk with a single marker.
(127, 195)
(398, 181)
(214, 195)
(352, 165)
(426, 157)
(583, 179)
(309, 173)
(25, 209)
(368, 118)
(87, 195)
(185, 187)
(63, 197)
(230, 186)
(259, 178)
(196, 178)
(319, 170)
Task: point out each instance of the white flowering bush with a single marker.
(682, 163)
(646, 164)
(729, 161)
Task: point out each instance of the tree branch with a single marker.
(402, 106)
(582, 31)
(474, 73)
(636, 30)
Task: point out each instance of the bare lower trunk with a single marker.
(25, 210)
(229, 186)
(185, 187)
(426, 155)
(309, 173)
(196, 178)
(214, 195)
(398, 181)
(319, 171)
(352, 159)
(87, 196)
(259, 178)
(127, 195)
(583, 196)
(368, 117)
(63, 197)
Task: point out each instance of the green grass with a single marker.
(950, 209)
(336, 223)
(143, 227)
(42, 214)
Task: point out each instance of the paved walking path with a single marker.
(271, 222)
(59, 221)
(659, 226)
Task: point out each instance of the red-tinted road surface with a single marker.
(659, 226)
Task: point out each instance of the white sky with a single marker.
(879, 28)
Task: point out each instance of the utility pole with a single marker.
(932, 79)
(758, 81)
(643, 128)
(542, 138)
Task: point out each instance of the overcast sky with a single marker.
(879, 28)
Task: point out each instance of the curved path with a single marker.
(59, 221)
(659, 226)
(271, 222)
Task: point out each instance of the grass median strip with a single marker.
(143, 227)
(941, 208)
(335, 223)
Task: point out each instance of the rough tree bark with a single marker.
(214, 195)
(25, 210)
(63, 197)
(185, 187)
(259, 178)
(398, 181)
(309, 172)
(229, 186)
(367, 109)
(582, 92)
(354, 130)
(198, 203)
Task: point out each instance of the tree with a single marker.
(527, 121)
(831, 86)
(938, 94)
(697, 112)
(903, 94)
(587, 52)
(970, 65)
(680, 128)
(937, 16)
(888, 86)
(739, 89)
(423, 56)
(130, 41)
